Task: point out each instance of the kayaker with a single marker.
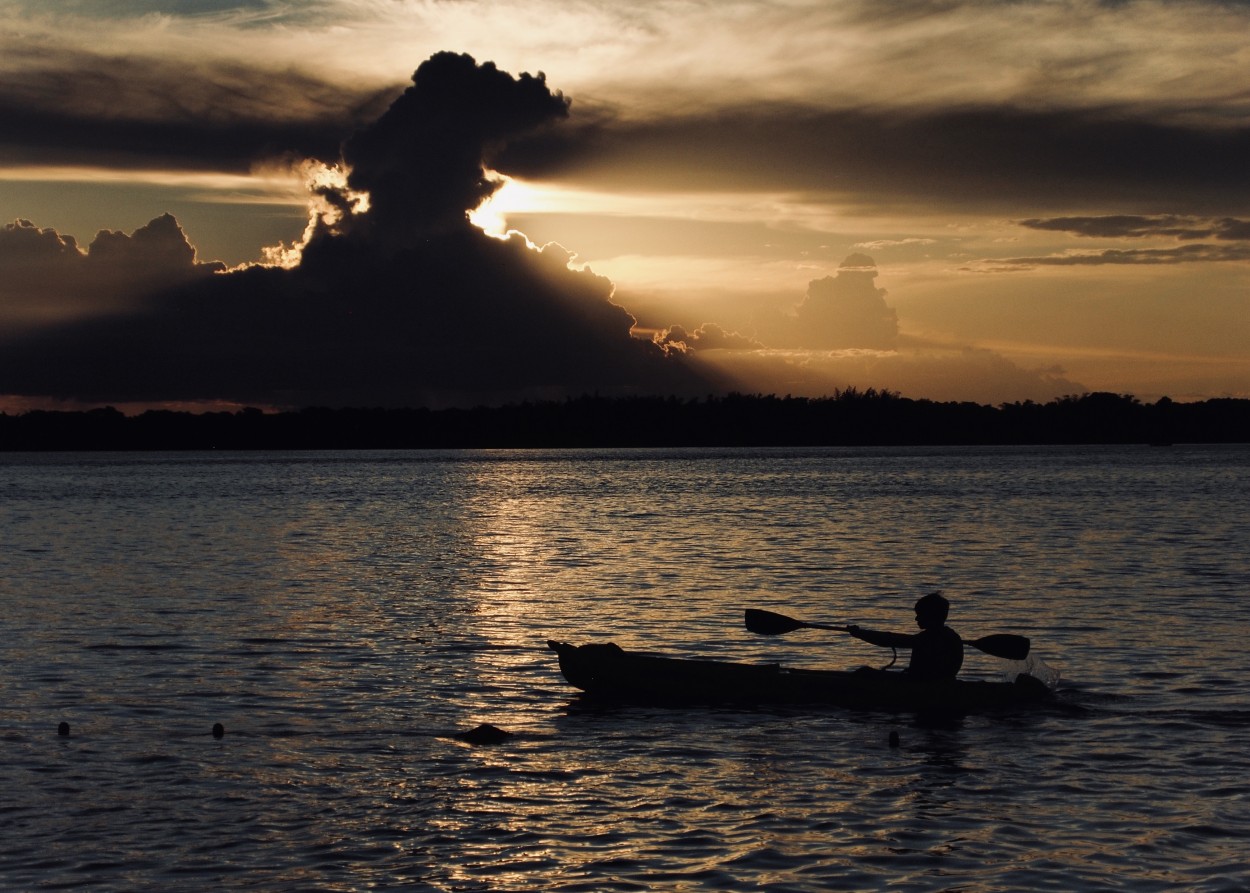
(937, 652)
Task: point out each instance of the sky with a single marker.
(451, 202)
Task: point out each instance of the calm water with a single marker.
(342, 614)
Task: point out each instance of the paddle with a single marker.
(767, 623)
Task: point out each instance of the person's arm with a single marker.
(884, 639)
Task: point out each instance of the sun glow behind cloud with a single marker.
(519, 196)
(570, 216)
(512, 196)
(319, 181)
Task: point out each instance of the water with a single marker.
(343, 615)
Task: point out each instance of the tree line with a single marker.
(846, 418)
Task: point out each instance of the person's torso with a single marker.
(937, 654)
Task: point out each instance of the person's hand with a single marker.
(853, 630)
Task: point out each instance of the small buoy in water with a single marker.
(484, 734)
(894, 739)
(219, 731)
(63, 730)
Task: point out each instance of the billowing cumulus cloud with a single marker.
(45, 276)
(422, 161)
(848, 310)
(402, 304)
(843, 311)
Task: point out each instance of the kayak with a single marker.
(607, 671)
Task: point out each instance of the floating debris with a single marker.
(484, 734)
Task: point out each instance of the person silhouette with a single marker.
(937, 651)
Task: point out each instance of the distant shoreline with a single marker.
(849, 418)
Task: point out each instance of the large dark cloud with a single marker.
(998, 158)
(405, 304)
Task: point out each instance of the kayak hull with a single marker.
(606, 671)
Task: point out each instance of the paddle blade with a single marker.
(1003, 645)
(766, 623)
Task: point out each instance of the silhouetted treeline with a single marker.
(849, 417)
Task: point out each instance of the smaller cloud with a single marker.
(1232, 228)
(708, 336)
(44, 275)
(22, 244)
(1231, 235)
(1131, 226)
(859, 346)
(883, 244)
(1183, 254)
(158, 251)
(839, 312)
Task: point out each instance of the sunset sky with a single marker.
(978, 201)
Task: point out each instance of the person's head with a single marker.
(931, 611)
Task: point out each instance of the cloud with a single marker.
(985, 159)
(45, 276)
(73, 106)
(1137, 226)
(402, 304)
(708, 336)
(1179, 227)
(845, 335)
(854, 53)
(1182, 254)
(976, 106)
(40, 273)
(422, 161)
(883, 244)
(838, 312)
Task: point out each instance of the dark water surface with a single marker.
(342, 614)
